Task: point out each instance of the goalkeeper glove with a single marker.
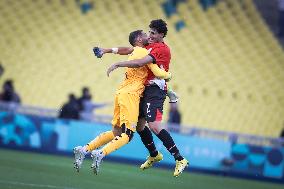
(172, 96)
(98, 52)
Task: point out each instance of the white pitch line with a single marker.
(34, 185)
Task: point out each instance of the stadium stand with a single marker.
(227, 65)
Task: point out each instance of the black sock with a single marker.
(169, 143)
(147, 139)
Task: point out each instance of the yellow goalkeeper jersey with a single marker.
(134, 77)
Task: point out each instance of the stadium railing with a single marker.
(45, 112)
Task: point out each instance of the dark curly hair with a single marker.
(160, 26)
(133, 36)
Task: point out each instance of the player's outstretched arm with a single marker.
(118, 50)
(160, 73)
(136, 63)
(99, 52)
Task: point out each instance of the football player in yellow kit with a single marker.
(126, 107)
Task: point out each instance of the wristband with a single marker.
(114, 50)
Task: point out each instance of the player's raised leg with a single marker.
(168, 142)
(147, 139)
(152, 107)
(81, 151)
(128, 116)
(116, 143)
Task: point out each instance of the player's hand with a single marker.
(172, 96)
(98, 52)
(111, 68)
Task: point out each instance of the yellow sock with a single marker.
(100, 140)
(115, 144)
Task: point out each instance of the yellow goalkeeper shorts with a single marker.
(126, 110)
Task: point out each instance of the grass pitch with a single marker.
(33, 170)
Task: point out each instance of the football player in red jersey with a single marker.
(151, 104)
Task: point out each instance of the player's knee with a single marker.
(127, 131)
(116, 131)
(140, 127)
(155, 127)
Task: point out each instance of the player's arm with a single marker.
(136, 63)
(158, 72)
(99, 52)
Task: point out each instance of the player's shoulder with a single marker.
(162, 44)
(158, 46)
(140, 50)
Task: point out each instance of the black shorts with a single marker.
(151, 104)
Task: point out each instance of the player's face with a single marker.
(144, 39)
(154, 36)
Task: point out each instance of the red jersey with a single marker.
(161, 55)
